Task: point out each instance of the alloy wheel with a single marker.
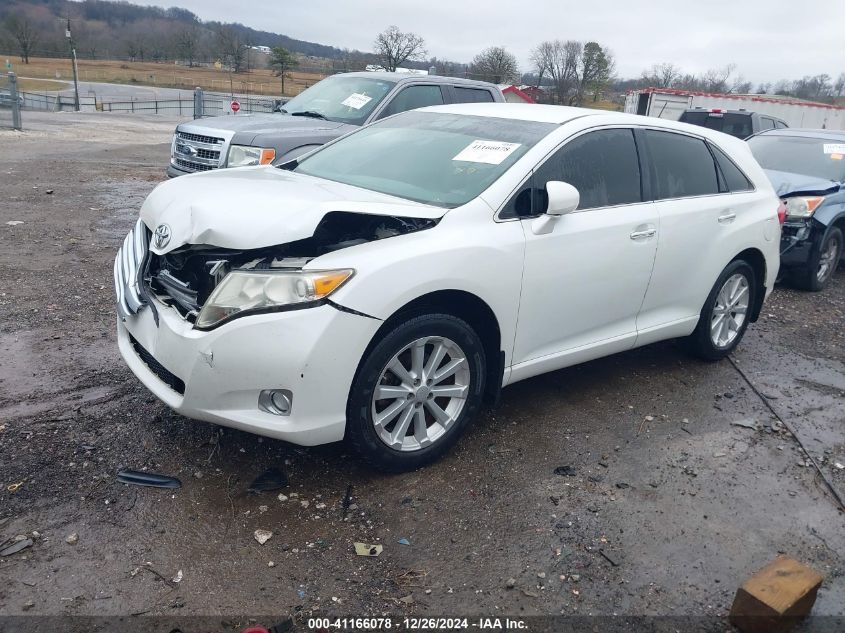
(420, 393)
(730, 311)
(828, 259)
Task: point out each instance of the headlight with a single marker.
(802, 206)
(243, 292)
(245, 155)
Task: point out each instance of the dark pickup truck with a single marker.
(325, 111)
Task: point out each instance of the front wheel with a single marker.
(823, 263)
(724, 317)
(415, 392)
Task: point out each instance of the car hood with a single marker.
(256, 207)
(264, 124)
(786, 183)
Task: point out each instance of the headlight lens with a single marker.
(245, 155)
(250, 291)
(802, 206)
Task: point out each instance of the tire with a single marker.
(823, 262)
(441, 333)
(702, 342)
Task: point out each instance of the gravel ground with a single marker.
(664, 506)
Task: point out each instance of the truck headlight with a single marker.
(801, 207)
(250, 292)
(246, 155)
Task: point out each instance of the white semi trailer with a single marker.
(667, 103)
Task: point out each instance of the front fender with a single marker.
(295, 153)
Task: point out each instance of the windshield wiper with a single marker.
(310, 114)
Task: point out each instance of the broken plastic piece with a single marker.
(270, 479)
(366, 549)
(16, 547)
(154, 480)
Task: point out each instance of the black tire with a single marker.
(361, 433)
(810, 278)
(700, 342)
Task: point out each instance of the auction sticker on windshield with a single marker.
(834, 148)
(356, 100)
(491, 152)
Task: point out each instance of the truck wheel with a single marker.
(415, 392)
(823, 262)
(724, 317)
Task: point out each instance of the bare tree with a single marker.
(24, 33)
(496, 65)
(663, 75)
(559, 60)
(394, 48)
(716, 79)
(187, 43)
(231, 47)
(839, 86)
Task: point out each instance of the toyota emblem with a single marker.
(162, 236)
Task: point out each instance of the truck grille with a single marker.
(128, 266)
(168, 378)
(197, 152)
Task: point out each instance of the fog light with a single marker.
(276, 401)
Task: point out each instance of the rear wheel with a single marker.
(415, 392)
(823, 263)
(724, 317)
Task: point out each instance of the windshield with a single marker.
(822, 158)
(732, 123)
(342, 99)
(430, 157)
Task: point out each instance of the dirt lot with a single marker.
(165, 75)
(666, 508)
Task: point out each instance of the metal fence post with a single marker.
(198, 103)
(16, 106)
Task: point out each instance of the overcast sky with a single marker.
(767, 39)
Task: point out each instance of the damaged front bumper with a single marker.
(217, 376)
(796, 243)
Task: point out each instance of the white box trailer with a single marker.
(668, 103)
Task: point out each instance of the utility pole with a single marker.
(73, 64)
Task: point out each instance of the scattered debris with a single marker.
(365, 549)
(26, 606)
(776, 597)
(839, 465)
(13, 488)
(178, 577)
(622, 485)
(20, 543)
(153, 480)
(528, 593)
(72, 539)
(409, 599)
(14, 222)
(271, 564)
(304, 503)
(347, 500)
(404, 541)
(612, 562)
(720, 454)
(49, 192)
(262, 536)
(511, 583)
(282, 497)
(270, 479)
(747, 423)
(566, 471)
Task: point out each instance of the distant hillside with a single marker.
(120, 30)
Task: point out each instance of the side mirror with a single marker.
(563, 198)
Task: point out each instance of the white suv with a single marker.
(382, 288)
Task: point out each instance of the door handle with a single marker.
(646, 233)
(727, 218)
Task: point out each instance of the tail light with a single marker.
(782, 212)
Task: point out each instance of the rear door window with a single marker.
(766, 123)
(472, 95)
(682, 165)
(413, 97)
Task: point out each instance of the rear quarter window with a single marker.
(735, 180)
(472, 95)
(682, 165)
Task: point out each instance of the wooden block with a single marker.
(775, 598)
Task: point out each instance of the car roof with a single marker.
(837, 135)
(405, 77)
